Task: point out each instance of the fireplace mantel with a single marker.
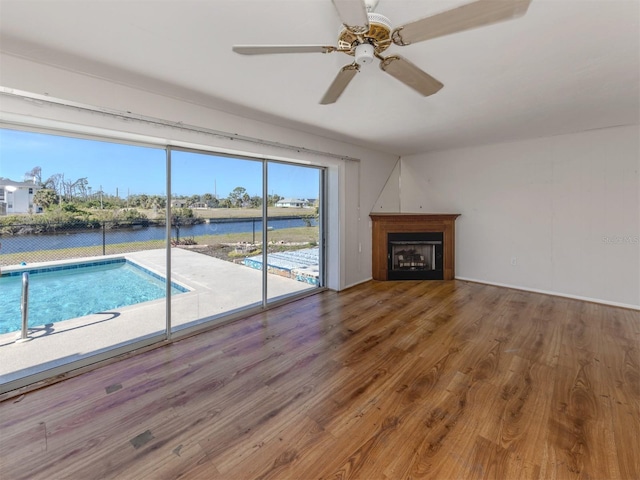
(385, 223)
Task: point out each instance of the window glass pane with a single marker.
(294, 245)
(216, 227)
(89, 218)
(91, 239)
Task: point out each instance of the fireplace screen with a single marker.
(415, 256)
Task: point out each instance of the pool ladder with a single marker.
(24, 307)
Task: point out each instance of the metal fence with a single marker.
(28, 243)
(22, 243)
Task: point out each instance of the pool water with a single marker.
(65, 292)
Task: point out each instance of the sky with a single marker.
(129, 170)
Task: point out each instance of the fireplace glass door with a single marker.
(415, 256)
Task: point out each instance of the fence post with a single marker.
(104, 238)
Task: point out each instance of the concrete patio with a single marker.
(217, 287)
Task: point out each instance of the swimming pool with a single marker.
(61, 292)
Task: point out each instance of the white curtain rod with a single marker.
(45, 99)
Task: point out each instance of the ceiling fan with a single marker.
(366, 35)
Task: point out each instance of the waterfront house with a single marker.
(292, 203)
(178, 203)
(17, 197)
(198, 206)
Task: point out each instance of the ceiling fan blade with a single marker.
(465, 17)
(353, 15)
(345, 75)
(271, 49)
(405, 71)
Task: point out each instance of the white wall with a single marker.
(566, 209)
(20, 200)
(354, 185)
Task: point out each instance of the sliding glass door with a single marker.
(294, 242)
(244, 233)
(82, 248)
(104, 232)
(216, 224)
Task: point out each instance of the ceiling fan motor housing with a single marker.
(378, 36)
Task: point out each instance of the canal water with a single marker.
(84, 238)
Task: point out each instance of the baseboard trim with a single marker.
(555, 294)
(351, 285)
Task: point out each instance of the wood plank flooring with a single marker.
(387, 380)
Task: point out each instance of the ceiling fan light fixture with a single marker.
(364, 54)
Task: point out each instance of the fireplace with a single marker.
(415, 256)
(411, 246)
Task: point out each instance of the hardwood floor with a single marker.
(387, 380)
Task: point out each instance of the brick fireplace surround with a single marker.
(385, 223)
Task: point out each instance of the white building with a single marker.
(17, 197)
(292, 203)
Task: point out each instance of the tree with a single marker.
(210, 200)
(79, 187)
(54, 182)
(34, 174)
(235, 197)
(140, 201)
(255, 201)
(159, 201)
(179, 217)
(45, 197)
(273, 199)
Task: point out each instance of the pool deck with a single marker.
(217, 288)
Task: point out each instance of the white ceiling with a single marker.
(566, 66)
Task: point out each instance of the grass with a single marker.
(287, 235)
(253, 212)
(297, 235)
(241, 212)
